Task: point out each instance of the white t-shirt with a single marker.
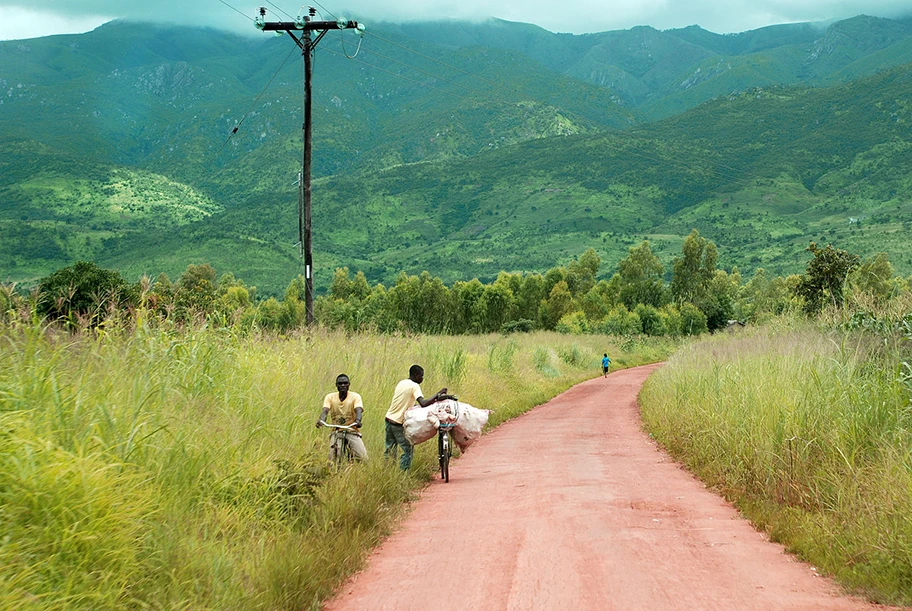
(405, 396)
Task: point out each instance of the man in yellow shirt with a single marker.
(407, 394)
(344, 408)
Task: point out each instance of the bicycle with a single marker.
(339, 441)
(444, 449)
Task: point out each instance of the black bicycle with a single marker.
(445, 449)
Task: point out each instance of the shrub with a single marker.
(693, 321)
(650, 321)
(523, 325)
(574, 323)
(619, 322)
(82, 290)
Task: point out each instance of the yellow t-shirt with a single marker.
(405, 396)
(342, 412)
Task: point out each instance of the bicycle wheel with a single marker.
(443, 451)
(346, 451)
(342, 454)
(441, 454)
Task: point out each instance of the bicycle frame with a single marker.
(444, 451)
(343, 451)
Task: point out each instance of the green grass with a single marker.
(182, 469)
(810, 434)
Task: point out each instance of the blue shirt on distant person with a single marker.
(606, 362)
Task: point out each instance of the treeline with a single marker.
(637, 299)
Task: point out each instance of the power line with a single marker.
(273, 5)
(246, 16)
(257, 99)
(514, 95)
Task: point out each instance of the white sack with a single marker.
(420, 424)
(447, 411)
(469, 424)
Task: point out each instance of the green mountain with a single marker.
(762, 174)
(662, 73)
(462, 149)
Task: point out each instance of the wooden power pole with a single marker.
(301, 31)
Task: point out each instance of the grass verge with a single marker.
(173, 469)
(809, 433)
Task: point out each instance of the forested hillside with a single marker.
(463, 149)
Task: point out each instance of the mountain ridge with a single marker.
(434, 169)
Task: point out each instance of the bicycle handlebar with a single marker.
(346, 427)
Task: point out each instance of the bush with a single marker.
(523, 325)
(572, 355)
(671, 318)
(83, 290)
(693, 321)
(574, 323)
(619, 322)
(650, 321)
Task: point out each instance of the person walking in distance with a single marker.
(345, 408)
(606, 363)
(407, 394)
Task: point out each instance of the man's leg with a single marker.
(391, 450)
(405, 462)
(357, 447)
(333, 447)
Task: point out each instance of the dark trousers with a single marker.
(395, 436)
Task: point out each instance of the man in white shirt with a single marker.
(344, 408)
(407, 394)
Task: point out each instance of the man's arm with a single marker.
(440, 396)
(323, 415)
(359, 412)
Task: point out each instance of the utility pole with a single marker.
(305, 26)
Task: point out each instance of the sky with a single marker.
(33, 18)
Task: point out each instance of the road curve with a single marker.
(571, 506)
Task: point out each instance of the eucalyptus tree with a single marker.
(639, 278)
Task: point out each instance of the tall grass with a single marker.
(810, 434)
(182, 470)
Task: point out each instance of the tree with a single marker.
(293, 311)
(651, 322)
(558, 303)
(763, 296)
(464, 296)
(597, 302)
(581, 273)
(693, 321)
(639, 278)
(825, 277)
(718, 300)
(196, 292)
(874, 277)
(420, 303)
(694, 269)
(492, 309)
(529, 297)
(84, 290)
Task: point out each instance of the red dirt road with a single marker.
(572, 507)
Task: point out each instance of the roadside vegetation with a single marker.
(157, 467)
(805, 424)
(158, 446)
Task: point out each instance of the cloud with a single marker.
(18, 23)
(576, 16)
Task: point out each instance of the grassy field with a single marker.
(160, 469)
(809, 433)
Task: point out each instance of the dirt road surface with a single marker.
(572, 507)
